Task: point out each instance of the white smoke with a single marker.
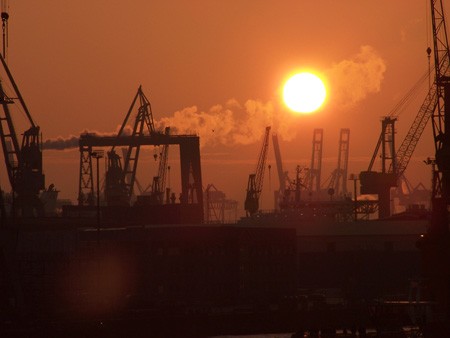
(62, 143)
(353, 79)
(350, 81)
(230, 124)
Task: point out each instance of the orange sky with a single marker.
(78, 65)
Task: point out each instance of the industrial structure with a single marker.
(159, 257)
(315, 170)
(219, 208)
(256, 180)
(435, 246)
(23, 161)
(337, 185)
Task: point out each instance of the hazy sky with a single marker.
(216, 68)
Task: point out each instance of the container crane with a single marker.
(255, 181)
(338, 181)
(315, 170)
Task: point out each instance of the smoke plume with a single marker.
(350, 81)
(62, 143)
(353, 79)
(230, 124)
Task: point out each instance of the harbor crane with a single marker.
(119, 180)
(395, 162)
(435, 245)
(255, 181)
(338, 181)
(23, 162)
(282, 175)
(143, 124)
(314, 174)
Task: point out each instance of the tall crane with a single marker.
(282, 176)
(380, 183)
(23, 162)
(144, 119)
(395, 162)
(120, 180)
(435, 245)
(315, 171)
(255, 181)
(441, 113)
(338, 181)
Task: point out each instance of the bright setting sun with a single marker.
(304, 93)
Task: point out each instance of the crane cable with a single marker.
(401, 106)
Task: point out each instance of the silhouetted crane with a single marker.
(255, 181)
(23, 163)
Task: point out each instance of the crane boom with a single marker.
(262, 162)
(281, 176)
(255, 181)
(120, 189)
(409, 143)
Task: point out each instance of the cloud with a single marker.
(353, 79)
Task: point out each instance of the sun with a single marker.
(304, 93)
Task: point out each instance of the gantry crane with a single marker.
(338, 181)
(314, 174)
(255, 181)
(23, 163)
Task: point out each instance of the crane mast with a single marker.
(255, 181)
(440, 117)
(435, 245)
(338, 182)
(315, 170)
